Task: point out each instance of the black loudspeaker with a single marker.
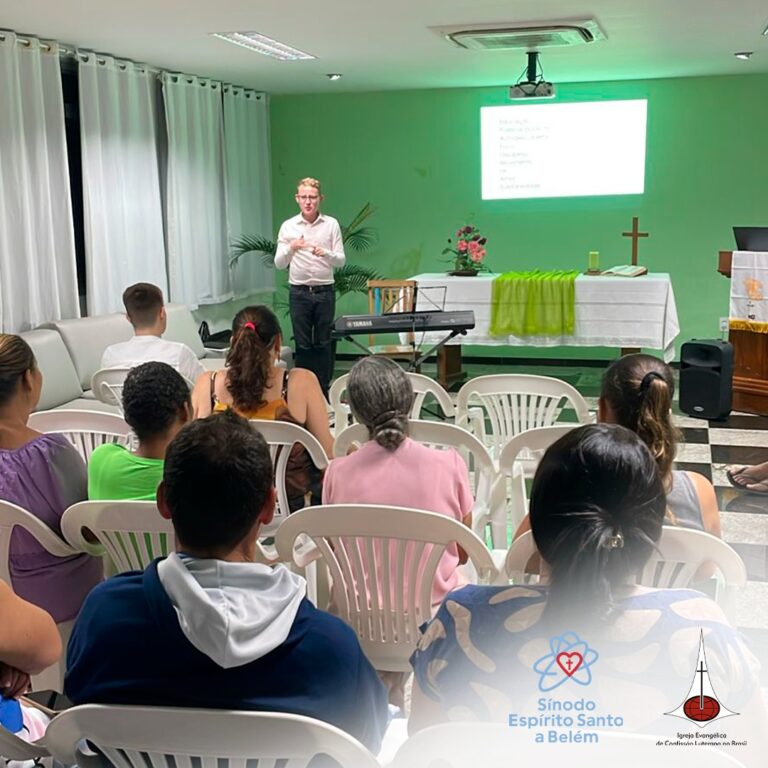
(706, 372)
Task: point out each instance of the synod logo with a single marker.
(569, 658)
(701, 706)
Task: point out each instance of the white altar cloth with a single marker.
(609, 312)
(749, 286)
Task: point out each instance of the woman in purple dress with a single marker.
(44, 474)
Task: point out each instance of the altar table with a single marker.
(624, 312)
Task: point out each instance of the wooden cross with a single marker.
(634, 234)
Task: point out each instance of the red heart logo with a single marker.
(569, 662)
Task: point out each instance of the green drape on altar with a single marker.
(533, 303)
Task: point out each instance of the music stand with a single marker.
(430, 298)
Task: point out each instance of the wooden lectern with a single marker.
(750, 360)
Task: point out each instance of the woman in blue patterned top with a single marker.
(588, 631)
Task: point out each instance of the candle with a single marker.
(593, 264)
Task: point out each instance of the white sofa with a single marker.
(69, 352)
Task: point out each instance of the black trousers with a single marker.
(312, 309)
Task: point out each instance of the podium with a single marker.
(750, 360)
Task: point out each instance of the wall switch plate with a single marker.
(723, 325)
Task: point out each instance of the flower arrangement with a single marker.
(469, 250)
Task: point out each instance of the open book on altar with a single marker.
(628, 270)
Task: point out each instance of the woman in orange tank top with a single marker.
(253, 386)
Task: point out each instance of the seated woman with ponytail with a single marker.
(637, 393)
(596, 510)
(254, 387)
(394, 470)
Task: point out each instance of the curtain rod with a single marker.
(82, 55)
(76, 53)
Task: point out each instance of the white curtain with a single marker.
(248, 182)
(38, 278)
(198, 264)
(122, 210)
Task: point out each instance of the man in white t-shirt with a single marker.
(145, 310)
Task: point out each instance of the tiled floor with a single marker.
(708, 448)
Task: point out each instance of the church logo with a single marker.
(701, 706)
(569, 658)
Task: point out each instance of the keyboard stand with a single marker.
(415, 364)
(440, 344)
(354, 341)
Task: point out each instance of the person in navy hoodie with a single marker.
(208, 627)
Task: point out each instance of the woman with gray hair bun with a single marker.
(393, 469)
(376, 383)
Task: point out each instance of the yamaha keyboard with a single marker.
(459, 321)
(452, 323)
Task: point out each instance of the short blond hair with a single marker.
(310, 182)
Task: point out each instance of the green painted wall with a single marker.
(415, 155)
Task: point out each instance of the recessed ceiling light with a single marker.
(333, 76)
(744, 55)
(264, 45)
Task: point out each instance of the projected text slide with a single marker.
(563, 150)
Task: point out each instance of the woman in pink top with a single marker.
(394, 470)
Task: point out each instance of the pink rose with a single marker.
(461, 246)
(460, 232)
(481, 251)
(473, 245)
(476, 256)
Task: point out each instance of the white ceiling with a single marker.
(389, 45)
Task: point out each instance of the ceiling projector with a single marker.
(532, 90)
(534, 87)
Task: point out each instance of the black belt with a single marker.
(312, 288)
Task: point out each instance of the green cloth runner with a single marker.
(533, 303)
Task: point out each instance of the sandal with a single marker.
(738, 479)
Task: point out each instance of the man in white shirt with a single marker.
(145, 310)
(310, 245)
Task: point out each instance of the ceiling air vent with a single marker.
(532, 36)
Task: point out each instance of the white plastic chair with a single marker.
(107, 385)
(369, 590)
(14, 748)
(423, 387)
(132, 533)
(86, 430)
(522, 549)
(163, 737)
(440, 435)
(496, 745)
(281, 436)
(496, 408)
(681, 552)
(13, 516)
(517, 461)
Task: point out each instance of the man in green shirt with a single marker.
(156, 404)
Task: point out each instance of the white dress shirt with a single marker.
(305, 267)
(147, 349)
